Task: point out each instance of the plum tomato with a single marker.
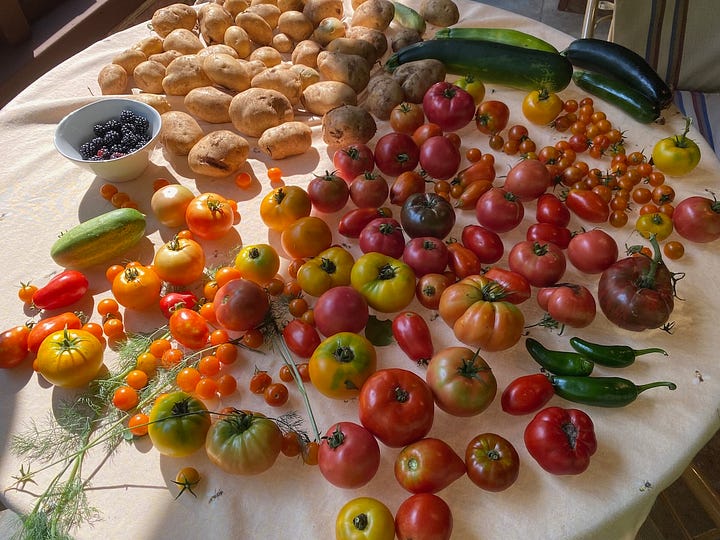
(484, 243)
(527, 394)
(428, 466)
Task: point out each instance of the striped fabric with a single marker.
(678, 38)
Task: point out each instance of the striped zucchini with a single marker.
(617, 93)
(99, 239)
(497, 63)
(621, 63)
(508, 36)
(409, 18)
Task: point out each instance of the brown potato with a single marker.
(317, 10)
(257, 109)
(165, 57)
(356, 46)
(307, 74)
(441, 13)
(224, 70)
(348, 124)
(296, 25)
(280, 78)
(158, 102)
(183, 41)
(149, 45)
(112, 79)
(282, 43)
(218, 48)
(235, 6)
(149, 75)
(418, 76)
(179, 132)
(287, 139)
(209, 104)
(238, 39)
(129, 59)
(351, 69)
(329, 28)
(219, 154)
(267, 55)
(306, 53)
(384, 94)
(290, 5)
(269, 12)
(377, 14)
(214, 20)
(172, 17)
(376, 38)
(257, 28)
(324, 96)
(183, 74)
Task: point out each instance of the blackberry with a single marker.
(113, 124)
(99, 129)
(116, 137)
(86, 150)
(129, 140)
(111, 137)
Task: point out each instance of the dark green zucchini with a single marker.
(509, 36)
(619, 62)
(497, 63)
(617, 93)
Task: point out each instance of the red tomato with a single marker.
(412, 334)
(697, 219)
(588, 205)
(484, 243)
(369, 190)
(354, 221)
(426, 255)
(175, 300)
(209, 216)
(44, 327)
(353, 160)
(349, 455)
(461, 381)
(383, 235)
(428, 466)
(240, 305)
(423, 516)
(439, 157)
(407, 117)
(561, 440)
(463, 261)
(406, 184)
(550, 209)
(396, 406)
(301, 338)
(189, 328)
(569, 304)
(396, 153)
(448, 106)
(516, 286)
(528, 179)
(14, 346)
(492, 462)
(527, 394)
(548, 232)
(341, 309)
(499, 210)
(491, 117)
(541, 264)
(429, 289)
(328, 192)
(62, 290)
(592, 251)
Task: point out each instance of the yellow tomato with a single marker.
(70, 358)
(258, 262)
(169, 204)
(306, 237)
(542, 107)
(283, 206)
(180, 261)
(676, 155)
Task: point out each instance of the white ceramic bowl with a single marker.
(77, 128)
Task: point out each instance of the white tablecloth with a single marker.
(642, 448)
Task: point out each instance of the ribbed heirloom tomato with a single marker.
(69, 358)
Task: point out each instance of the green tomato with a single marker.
(364, 518)
(178, 424)
(244, 443)
(473, 86)
(387, 284)
(341, 364)
(676, 155)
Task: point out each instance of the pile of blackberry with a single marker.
(117, 137)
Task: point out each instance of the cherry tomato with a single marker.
(491, 116)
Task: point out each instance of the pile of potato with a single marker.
(257, 63)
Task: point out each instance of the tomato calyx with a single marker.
(494, 292)
(360, 522)
(401, 395)
(386, 272)
(336, 439)
(327, 265)
(344, 355)
(681, 140)
(470, 369)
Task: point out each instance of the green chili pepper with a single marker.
(610, 355)
(601, 391)
(559, 362)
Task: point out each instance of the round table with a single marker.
(642, 448)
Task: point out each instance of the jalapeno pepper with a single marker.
(559, 362)
(610, 355)
(601, 391)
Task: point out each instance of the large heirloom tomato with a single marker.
(178, 425)
(697, 219)
(448, 106)
(240, 305)
(428, 466)
(541, 264)
(461, 381)
(349, 455)
(492, 462)
(284, 205)
(328, 269)
(396, 406)
(243, 443)
(427, 214)
(69, 358)
(364, 518)
(341, 364)
(561, 440)
(179, 261)
(637, 293)
(387, 284)
(676, 155)
(474, 308)
(209, 216)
